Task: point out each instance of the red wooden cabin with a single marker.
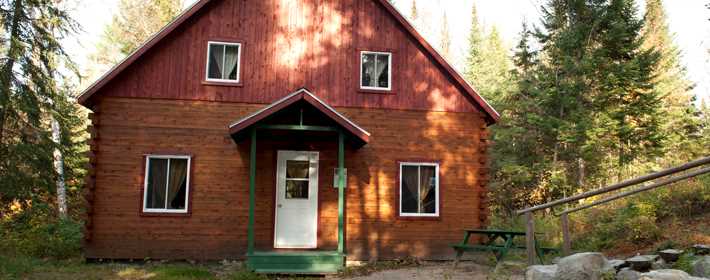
(294, 134)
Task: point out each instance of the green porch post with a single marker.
(252, 192)
(341, 191)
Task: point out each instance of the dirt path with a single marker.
(435, 271)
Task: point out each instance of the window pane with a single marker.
(368, 70)
(231, 62)
(296, 189)
(177, 184)
(297, 169)
(157, 175)
(427, 189)
(410, 178)
(216, 61)
(383, 66)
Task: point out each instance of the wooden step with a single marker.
(302, 262)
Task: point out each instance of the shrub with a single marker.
(36, 233)
(685, 263)
(11, 267)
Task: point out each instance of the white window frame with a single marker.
(438, 194)
(224, 56)
(389, 74)
(145, 184)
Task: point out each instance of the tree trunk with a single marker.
(619, 174)
(580, 172)
(59, 168)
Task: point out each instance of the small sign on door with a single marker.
(335, 177)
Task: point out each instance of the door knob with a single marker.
(279, 205)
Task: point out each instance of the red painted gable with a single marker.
(291, 44)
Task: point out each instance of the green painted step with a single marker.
(305, 262)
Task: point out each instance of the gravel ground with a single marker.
(433, 271)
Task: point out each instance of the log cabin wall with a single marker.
(290, 44)
(216, 227)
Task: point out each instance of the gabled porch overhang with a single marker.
(299, 112)
(357, 136)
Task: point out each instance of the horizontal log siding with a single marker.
(287, 45)
(217, 226)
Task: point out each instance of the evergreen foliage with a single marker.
(474, 56)
(134, 23)
(33, 92)
(680, 121)
(519, 163)
(602, 98)
(445, 43)
(488, 63)
(414, 14)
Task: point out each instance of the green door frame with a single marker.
(341, 180)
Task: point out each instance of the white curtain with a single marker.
(218, 56)
(375, 66)
(380, 66)
(156, 184)
(410, 200)
(230, 61)
(427, 189)
(178, 176)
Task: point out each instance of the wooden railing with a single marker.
(564, 219)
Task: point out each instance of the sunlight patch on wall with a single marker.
(308, 31)
(441, 101)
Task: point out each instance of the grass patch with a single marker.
(12, 267)
(181, 272)
(246, 275)
(685, 263)
(23, 267)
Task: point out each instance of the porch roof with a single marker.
(240, 128)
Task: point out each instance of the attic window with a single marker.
(223, 61)
(375, 71)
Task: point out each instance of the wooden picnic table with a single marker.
(500, 249)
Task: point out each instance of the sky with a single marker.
(688, 20)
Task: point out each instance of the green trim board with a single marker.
(297, 127)
(296, 262)
(252, 192)
(341, 192)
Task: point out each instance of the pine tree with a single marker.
(414, 14)
(135, 22)
(627, 103)
(680, 116)
(33, 95)
(474, 56)
(488, 64)
(445, 44)
(520, 167)
(494, 80)
(597, 92)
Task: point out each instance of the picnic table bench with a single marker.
(499, 249)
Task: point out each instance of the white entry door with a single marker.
(296, 200)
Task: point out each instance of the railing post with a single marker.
(566, 242)
(530, 237)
